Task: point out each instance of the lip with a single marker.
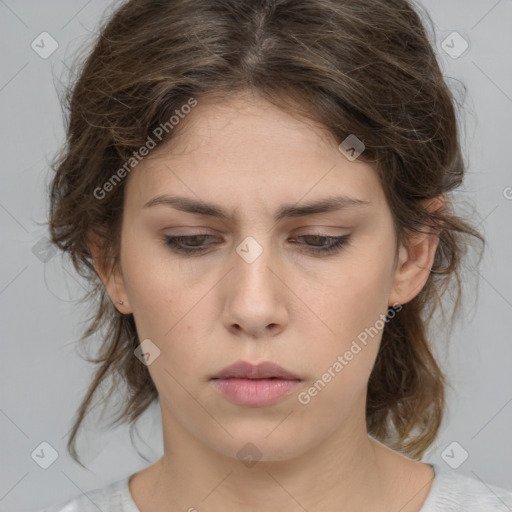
(255, 385)
(263, 370)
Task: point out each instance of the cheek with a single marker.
(342, 358)
(351, 296)
(351, 304)
(156, 294)
(167, 309)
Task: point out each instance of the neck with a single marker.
(346, 468)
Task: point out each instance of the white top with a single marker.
(450, 492)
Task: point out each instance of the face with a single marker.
(307, 290)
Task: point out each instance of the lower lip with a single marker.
(255, 392)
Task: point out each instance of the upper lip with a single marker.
(263, 370)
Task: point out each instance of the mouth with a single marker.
(258, 385)
(264, 370)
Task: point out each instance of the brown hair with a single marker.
(363, 67)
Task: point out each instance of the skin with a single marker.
(297, 309)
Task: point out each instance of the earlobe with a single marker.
(415, 261)
(110, 277)
(413, 268)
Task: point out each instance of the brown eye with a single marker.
(324, 244)
(318, 244)
(176, 243)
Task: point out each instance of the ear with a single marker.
(111, 278)
(415, 260)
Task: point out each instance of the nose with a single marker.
(255, 292)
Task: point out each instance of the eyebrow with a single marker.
(328, 204)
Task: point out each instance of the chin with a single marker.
(265, 444)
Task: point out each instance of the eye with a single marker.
(330, 245)
(193, 244)
(176, 243)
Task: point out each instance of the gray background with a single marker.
(43, 378)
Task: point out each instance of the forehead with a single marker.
(245, 147)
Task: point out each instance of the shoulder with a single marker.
(455, 492)
(114, 497)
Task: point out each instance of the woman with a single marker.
(259, 194)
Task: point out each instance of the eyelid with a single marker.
(304, 231)
(333, 248)
(195, 230)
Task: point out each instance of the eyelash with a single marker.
(174, 241)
